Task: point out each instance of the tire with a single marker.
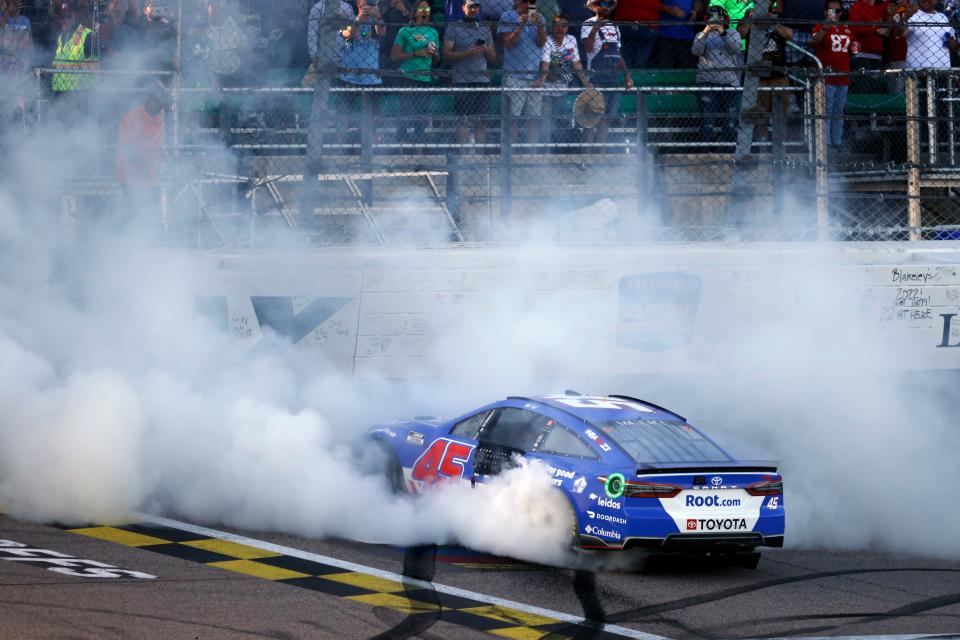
(388, 465)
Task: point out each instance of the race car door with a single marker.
(509, 433)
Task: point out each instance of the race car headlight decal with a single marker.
(614, 485)
(651, 490)
(766, 488)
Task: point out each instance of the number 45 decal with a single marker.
(444, 459)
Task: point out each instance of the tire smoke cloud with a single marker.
(117, 394)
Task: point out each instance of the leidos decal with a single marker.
(65, 564)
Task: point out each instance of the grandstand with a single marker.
(263, 142)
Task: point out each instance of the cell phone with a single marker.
(481, 42)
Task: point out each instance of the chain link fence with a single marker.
(333, 122)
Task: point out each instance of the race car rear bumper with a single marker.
(689, 542)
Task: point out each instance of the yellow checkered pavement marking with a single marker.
(326, 576)
(395, 602)
(510, 616)
(234, 549)
(362, 580)
(112, 534)
(526, 633)
(257, 569)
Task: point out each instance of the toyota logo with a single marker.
(716, 481)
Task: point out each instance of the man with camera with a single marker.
(601, 42)
(468, 46)
(524, 35)
(774, 74)
(717, 48)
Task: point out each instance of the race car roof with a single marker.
(594, 409)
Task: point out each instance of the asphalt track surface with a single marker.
(210, 585)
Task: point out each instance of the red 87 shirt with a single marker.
(834, 51)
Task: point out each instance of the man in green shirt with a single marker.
(417, 49)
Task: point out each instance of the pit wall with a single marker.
(635, 310)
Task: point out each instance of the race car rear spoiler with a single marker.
(757, 466)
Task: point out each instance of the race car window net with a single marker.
(511, 427)
(662, 441)
(469, 427)
(563, 442)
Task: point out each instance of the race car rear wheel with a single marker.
(391, 469)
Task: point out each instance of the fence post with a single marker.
(820, 142)
(951, 119)
(453, 186)
(175, 83)
(643, 183)
(777, 155)
(506, 156)
(366, 144)
(913, 156)
(932, 124)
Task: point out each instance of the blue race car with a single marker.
(636, 475)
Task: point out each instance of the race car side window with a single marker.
(515, 428)
(562, 441)
(469, 427)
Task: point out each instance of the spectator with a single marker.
(930, 38)
(576, 11)
(672, 50)
(775, 61)
(397, 14)
(895, 53)
(16, 61)
(361, 46)
(75, 51)
(222, 45)
(800, 15)
(524, 35)
(737, 10)
(417, 49)
(560, 58)
(601, 41)
(638, 39)
(141, 152)
(116, 34)
(871, 39)
(158, 41)
(718, 50)
(489, 12)
(468, 46)
(360, 58)
(831, 42)
(331, 50)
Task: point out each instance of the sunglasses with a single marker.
(425, 10)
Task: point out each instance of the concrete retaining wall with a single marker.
(636, 310)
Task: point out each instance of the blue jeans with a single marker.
(716, 105)
(836, 104)
(636, 45)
